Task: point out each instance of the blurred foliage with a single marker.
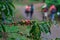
(14, 32)
(50, 2)
(37, 28)
(34, 30)
(57, 39)
(6, 9)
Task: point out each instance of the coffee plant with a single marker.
(6, 9)
(37, 28)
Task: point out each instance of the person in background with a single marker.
(31, 11)
(44, 12)
(27, 10)
(52, 10)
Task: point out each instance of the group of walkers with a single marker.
(29, 10)
(47, 13)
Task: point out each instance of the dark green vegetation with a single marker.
(6, 9)
(55, 2)
(26, 32)
(57, 38)
(37, 28)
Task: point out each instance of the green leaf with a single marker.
(3, 28)
(6, 10)
(45, 27)
(10, 10)
(11, 5)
